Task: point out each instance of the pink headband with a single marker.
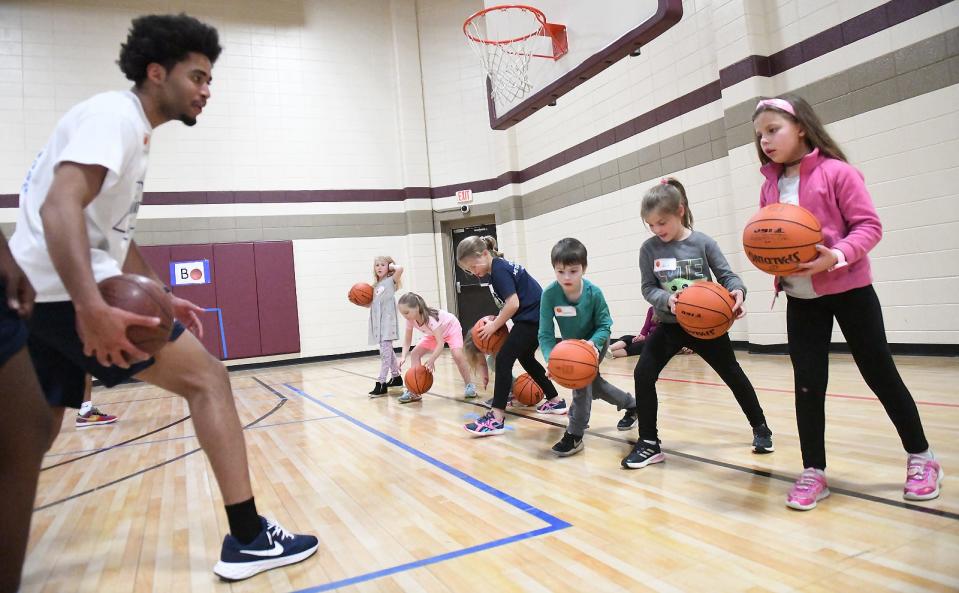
(781, 104)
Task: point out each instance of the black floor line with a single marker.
(279, 404)
(748, 470)
(120, 444)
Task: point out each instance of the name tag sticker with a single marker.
(564, 311)
(666, 264)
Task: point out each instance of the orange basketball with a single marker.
(705, 310)
(361, 294)
(573, 364)
(143, 296)
(492, 345)
(781, 236)
(419, 380)
(526, 390)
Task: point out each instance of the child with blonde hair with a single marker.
(383, 327)
(518, 295)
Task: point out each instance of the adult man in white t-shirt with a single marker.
(78, 208)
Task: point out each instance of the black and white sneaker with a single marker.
(628, 420)
(568, 445)
(274, 547)
(396, 381)
(762, 440)
(644, 453)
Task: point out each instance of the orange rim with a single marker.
(534, 11)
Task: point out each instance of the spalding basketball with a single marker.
(526, 390)
(495, 342)
(780, 237)
(573, 364)
(419, 380)
(705, 310)
(143, 296)
(361, 294)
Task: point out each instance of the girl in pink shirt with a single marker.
(440, 327)
(803, 165)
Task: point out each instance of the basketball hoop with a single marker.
(519, 31)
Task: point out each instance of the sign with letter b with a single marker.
(189, 272)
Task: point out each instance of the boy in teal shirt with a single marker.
(580, 310)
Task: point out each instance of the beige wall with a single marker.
(377, 94)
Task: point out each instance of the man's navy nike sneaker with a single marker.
(274, 547)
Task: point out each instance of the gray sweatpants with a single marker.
(583, 398)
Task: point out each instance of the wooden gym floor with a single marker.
(403, 499)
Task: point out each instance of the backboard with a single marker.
(599, 33)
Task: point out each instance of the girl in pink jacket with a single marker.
(803, 165)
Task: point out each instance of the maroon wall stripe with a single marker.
(858, 27)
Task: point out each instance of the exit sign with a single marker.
(464, 196)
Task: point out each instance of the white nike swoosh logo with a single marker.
(276, 550)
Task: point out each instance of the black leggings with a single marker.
(809, 326)
(632, 348)
(660, 346)
(520, 345)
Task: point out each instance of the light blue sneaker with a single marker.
(470, 391)
(409, 397)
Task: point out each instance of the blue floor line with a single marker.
(552, 523)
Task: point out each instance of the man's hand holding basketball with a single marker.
(103, 330)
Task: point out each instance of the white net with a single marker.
(505, 40)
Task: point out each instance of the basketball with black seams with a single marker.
(361, 294)
(526, 390)
(705, 310)
(419, 379)
(780, 237)
(573, 364)
(142, 296)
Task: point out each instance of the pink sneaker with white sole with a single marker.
(808, 490)
(923, 478)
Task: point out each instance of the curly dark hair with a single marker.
(165, 39)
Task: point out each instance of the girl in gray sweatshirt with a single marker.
(672, 260)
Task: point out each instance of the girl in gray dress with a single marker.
(383, 327)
